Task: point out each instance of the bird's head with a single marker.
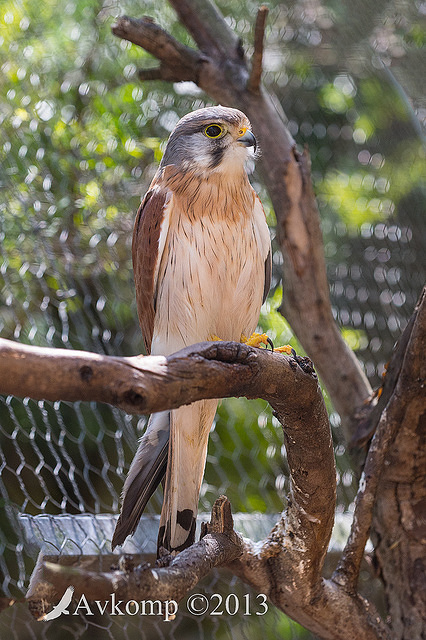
(212, 139)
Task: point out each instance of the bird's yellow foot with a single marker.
(214, 338)
(256, 339)
(286, 348)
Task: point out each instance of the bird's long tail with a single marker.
(189, 431)
(146, 472)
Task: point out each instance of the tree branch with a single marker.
(219, 546)
(306, 301)
(255, 78)
(347, 571)
(326, 609)
(222, 73)
(136, 384)
(398, 529)
(209, 369)
(178, 62)
(291, 558)
(206, 25)
(206, 370)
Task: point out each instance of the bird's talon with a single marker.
(271, 344)
(286, 349)
(256, 339)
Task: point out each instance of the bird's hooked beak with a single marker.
(247, 139)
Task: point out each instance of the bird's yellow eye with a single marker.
(213, 131)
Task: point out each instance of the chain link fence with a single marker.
(79, 141)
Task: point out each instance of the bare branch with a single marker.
(297, 543)
(178, 62)
(216, 369)
(208, 28)
(347, 571)
(219, 546)
(398, 528)
(325, 608)
(136, 384)
(156, 73)
(206, 370)
(306, 301)
(310, 514)
(253, 84)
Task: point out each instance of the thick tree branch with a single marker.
(291, 558)
(221, 71)
(347, 571)
(137, 384)
(306, 300)
(311, 462)
(206, 370)
(398, 529)
(326, 609)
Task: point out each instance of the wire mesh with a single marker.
(80, 139)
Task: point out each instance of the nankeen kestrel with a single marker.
(202, 268)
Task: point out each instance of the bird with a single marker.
(201, 255)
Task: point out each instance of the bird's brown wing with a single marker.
(268, 275)
(145, 254)
(268, 259)
(149, 465)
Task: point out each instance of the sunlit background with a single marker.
(80, 139)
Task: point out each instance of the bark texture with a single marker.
(399, 522)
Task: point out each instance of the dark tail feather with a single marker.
(189, 433)
(146, 472)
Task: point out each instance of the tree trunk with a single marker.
(399, 522)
